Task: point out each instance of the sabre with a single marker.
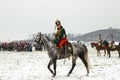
(54, 31)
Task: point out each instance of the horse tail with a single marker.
(85, 48)
(86, 55)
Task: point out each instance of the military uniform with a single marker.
(100, 42)
(60, 36)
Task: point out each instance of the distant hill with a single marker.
(94, 36)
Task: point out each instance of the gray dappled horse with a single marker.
(78, 50)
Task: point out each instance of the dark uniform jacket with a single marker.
(61, 34)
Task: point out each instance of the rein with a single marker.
(44, 42)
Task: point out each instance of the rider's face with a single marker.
(58, 26)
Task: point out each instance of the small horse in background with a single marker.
(78, 50)
(98, 48)
(110, 48)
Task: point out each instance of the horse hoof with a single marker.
(87, 74)
(53, 76)
(68, 75)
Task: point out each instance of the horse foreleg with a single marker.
(73, 65)
(49, 64)
(98, 53)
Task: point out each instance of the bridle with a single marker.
(41, 39)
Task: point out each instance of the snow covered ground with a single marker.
(33, 66)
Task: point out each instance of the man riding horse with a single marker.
(112, 44)
(70, 49)
(100, 42)
(60, 36)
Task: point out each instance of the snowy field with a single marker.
(33, 66)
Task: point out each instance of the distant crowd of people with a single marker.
(19, 46)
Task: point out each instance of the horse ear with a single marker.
(47, 37)
(40, 34)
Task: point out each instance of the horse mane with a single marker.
(50, 39)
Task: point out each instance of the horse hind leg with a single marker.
(119, 53)
(109, 53)
(73, 65)
(85, 61)
(104, 52)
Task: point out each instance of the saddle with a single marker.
(66, 48)
(100, 44)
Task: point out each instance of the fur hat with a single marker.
(57, 22)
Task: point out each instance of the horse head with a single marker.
(45, 40)
(38, 37)
(92, 45)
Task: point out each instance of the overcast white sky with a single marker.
(19, 18)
